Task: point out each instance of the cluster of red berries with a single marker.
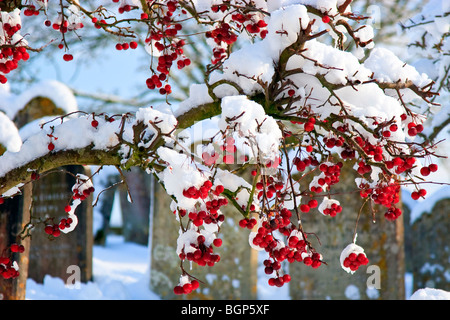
(156, 82)
(385, 194)
(201, 253)
(400, 164)
(211, 214)
(98, 23)
(306, 207)
(186, 286)
(81, 190)
(363, 168)
(248, 223)
(219, 54)
(330, 173)
(229, 149)
(309, 123)
(375, 151)
(31, 11)
(392, 128)
(8, 269)
(63, 26)
(126, 45)
(331, 142)
(296, 249)
(414, 129)
(222, 33)
(82, 194)
(415, 195)
(53, 230)
(11, 30)
(301, 165)
(392, 213)
(270, 268)
(11, 52)
(165, 62)
(125, 7)
(426, 170)
(198, 193)
(269, 187)
(354, 260)
(330, 207)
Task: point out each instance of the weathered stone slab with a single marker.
(382, 241)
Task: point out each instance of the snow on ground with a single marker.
(120, 272)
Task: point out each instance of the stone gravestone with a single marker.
(48, 196)
(382, 241)
(53, 256)
(135, 211)
(233, 277)
(428, 247)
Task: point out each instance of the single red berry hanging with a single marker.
(51, 146)
(133, 44)
(325, 19)
(67, 57)
(94, 123)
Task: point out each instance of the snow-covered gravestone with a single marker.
(382, 240)
(34, 109)
(235, 277)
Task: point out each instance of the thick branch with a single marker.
(53, 160)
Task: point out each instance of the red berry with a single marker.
(178, 290)
(422, 192)
(304, 208)
(433, 167)
(195, 284)
(309, 126)
(243, 223)
(217, 242)
(51, 146)
(425, 171)
(94, 123)
(48, 229)
(325, 19)
(67, 57)
(14, 247)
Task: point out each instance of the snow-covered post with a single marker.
(14, 216)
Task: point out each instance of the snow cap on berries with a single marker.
(352, 250)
